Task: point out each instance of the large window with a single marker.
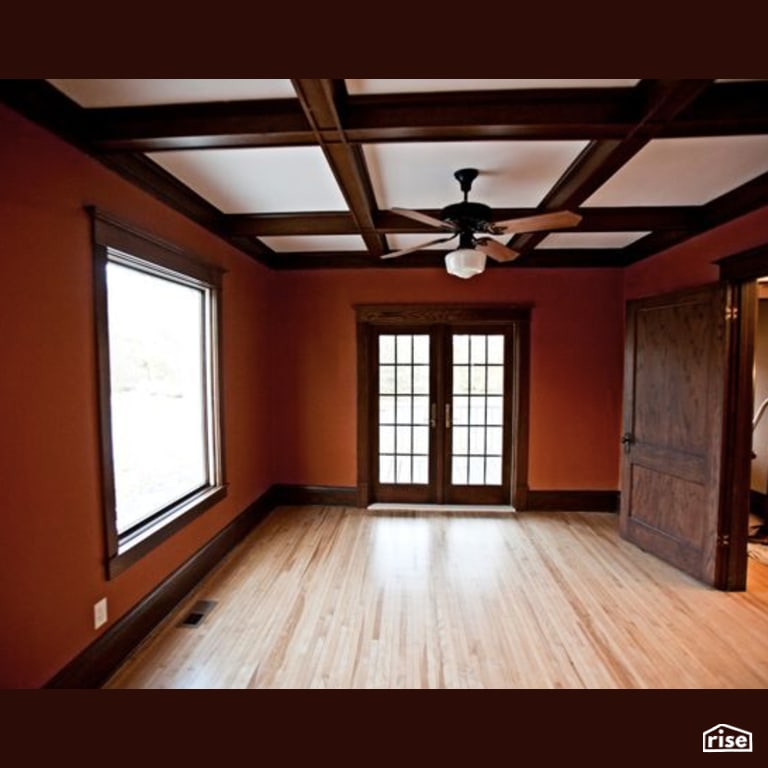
(157, 326)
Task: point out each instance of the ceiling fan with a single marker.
(467, 220)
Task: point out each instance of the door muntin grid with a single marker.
(404, 409)
(477, 409)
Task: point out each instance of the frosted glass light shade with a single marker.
(465, 262)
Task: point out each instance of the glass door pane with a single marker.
(404, 409)
(477, 407)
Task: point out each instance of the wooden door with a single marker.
(674, 391)
(477, 408)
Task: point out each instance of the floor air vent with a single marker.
(198, 613)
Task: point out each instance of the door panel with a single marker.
(403, 443)
(478, 432)
(673, 424)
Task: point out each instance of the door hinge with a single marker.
(731, 313)
(724, 540)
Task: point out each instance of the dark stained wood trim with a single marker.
(103, 373)
(92, 667)
(264, 225)
(736, 446)
(545, 258)
(521, 389)
(317, 96)
(432, 314)
(365, 473)
(325, 495)
(566, 114)
(150, 177)
(745, 265)
(568, 258)
(46, 105)
(641, 219)
(724, 109)
(517, 114)
(739, 202)
(744, 199)
(572, 501)
(270, 122)
(662, 100)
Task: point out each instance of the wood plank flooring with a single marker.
(329, 597)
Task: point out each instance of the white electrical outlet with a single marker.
(100, 613)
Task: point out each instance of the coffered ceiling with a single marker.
(304, 173)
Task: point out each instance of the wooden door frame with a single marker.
(740, 273)
(375, 316)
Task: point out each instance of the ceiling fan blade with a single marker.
(495, 250)
(423, 218)
(419, 247)
(542, 221)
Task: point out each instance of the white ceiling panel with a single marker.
(262, 180)
(685, 171)
(318, 243)
(361, 87)
(512, 173)
(590, 239)
(134, 93)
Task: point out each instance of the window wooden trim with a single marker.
(414, 316)
(109, 232)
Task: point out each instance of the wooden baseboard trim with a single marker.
(93, 666)
(572, 501)
(326, 495)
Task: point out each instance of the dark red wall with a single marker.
(576, 360)
(51, 545)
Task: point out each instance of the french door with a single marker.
(441, 412)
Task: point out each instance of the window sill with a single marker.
(142, 542)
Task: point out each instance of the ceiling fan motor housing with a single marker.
(472, 216)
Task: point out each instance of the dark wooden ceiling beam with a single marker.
(317, 97)
(332, 223)
(568, 114)
(150, 177)
(661, 101)
(740, 201)
(725, 109)
(584, 113)
(546, 259)
(44, 104)
(41, 102)
(275, 122)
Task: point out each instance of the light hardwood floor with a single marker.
(345, 598)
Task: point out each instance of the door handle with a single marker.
(627, 440)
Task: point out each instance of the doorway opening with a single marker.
(757, 532)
